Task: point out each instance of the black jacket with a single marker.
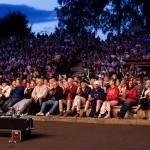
(57, 94)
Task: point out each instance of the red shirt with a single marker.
(72, 92)
(112, 93)
(131, 94)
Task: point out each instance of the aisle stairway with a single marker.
(78, 70)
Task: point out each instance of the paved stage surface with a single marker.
(81, 136)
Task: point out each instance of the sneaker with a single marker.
(77, 115)
(18, 113)
(9, 113)
(119, 115)
(96, 115)
(100, 115)
(134, 112)
(107, 116)
(25, 114)
(61, 114)
(48, 114)
(65, 115)
(40, 114)
(84, 114)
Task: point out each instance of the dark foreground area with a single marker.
(78, 136)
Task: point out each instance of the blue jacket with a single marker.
(98, 94)
(18, 92)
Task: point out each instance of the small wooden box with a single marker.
(15, 136)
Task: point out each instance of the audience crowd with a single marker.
(36, 75)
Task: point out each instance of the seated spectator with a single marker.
(122, 87)
(97, 96)
(106, 82)
(91, 83)
(52, 104)
(117, 82)
(38, 96)
(144, 100)
(112, 95)
(46, 82)
(5, 92)
(82, 95)
(131, 95)
(140, 86)
(21, 106)
(51, 80)
(16, 95)
(69, 92)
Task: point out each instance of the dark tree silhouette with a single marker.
(80, 15)
(14, 23)
(113, 16)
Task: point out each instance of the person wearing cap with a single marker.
(5, 92)
(97, 96)
(112, 95)
(81, 97)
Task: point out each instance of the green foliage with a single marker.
(14, 23)
(113, 16)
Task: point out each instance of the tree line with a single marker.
(113, 16)
(110, 16)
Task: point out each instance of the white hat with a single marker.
(96, 82)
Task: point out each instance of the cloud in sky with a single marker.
(39, 4)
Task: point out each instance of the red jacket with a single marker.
(131, 94)
(112, 93)
(72, 92)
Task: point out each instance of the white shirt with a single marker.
(40, 92)
(6, 91)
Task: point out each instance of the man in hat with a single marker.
(97, 96)
(82, 95)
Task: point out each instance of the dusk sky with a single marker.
(39, 4)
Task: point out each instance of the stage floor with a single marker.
(79, 136)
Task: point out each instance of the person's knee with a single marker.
(60, 101)
(99, 102)
(56, 103)
(78, 100)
